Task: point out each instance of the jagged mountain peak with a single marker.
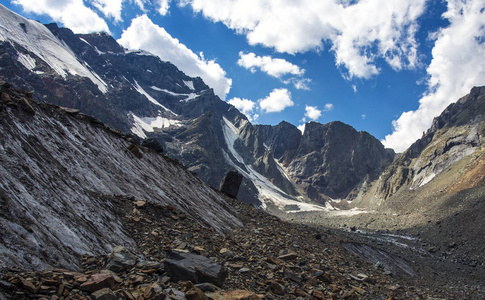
(138, 93)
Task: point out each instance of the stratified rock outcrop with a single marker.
(58, 167)
(457, 133)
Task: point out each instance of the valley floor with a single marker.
(267, 258)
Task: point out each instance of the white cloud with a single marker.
(245, 106)
(359, 32)
(141, 4)
(299, 83)
(110, 8)
(328, 107)
(277, 101)
(364, 117)
(71, 13)
(275, 67)
(144, 34)
(456, 67)
(312, 112)
(163, 7)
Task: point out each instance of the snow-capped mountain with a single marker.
(137, 93)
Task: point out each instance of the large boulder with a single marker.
(120, 259)
(196, 268)
(230, 183)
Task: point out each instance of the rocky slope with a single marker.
(137, 93)
(434, 190)
(454, 142)
(265, 259)
(57, 168)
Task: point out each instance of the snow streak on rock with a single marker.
(148, 124)
(55, 170)
(186, 97)
(268, 192)
(38, 40)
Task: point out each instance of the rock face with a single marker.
(137, 93)
(335, 160)
(456, 134)
(58, 169)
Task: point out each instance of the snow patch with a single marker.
(190, 84)
(27, 61)
(188, 97)
(85, 41)
(40, 41)
(140, 90)
(148, 124)
(268, 192)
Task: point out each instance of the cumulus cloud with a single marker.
(312, 112)
(144, 34)
(300, 83)
(359, 32)
(275, 67)
(328, 107)
(245, 106)
(456, 67)
(141, 4)
(277, 101)
(71, 13)
(110, 8)
(163, 7)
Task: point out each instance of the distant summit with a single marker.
(137, 93)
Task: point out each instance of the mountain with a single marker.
(455, 136)
(63, 175)
(137, 93)
(86, 213)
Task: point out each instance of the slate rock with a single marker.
(152, 143)
(135, 150)
(195, 294)
(240, 295)
(276, 288)
(196, 268)
(207, 287)
(230, 183)
(289, 256)
(154, 291)
(104, 294)
(97, 282)
(120, 259)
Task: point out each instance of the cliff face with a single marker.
(455, 135)
(335, 160)
(59, 169)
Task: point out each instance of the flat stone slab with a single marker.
(196, 268)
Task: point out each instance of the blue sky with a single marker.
(386, 67)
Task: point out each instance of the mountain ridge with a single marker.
(153, 99)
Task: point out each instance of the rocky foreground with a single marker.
(266, 259)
